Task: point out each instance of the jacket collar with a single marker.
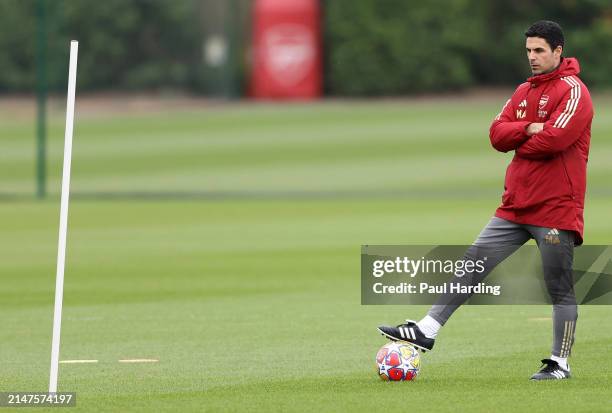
(567, 67)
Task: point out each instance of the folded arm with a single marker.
(506, 133)
(564, 127)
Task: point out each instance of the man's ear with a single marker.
(558, 50)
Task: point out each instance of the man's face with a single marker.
(542, 58)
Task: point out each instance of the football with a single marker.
(398, 361)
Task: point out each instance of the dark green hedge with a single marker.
(397, 46)
(123, 44)
(390, 47)
(372, 47)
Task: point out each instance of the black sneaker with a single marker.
(551, 370)
(410, 333)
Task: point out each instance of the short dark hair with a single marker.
(549, 31)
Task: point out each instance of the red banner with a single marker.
(286, 49)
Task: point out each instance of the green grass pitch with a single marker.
(245, 285)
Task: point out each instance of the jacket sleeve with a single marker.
(564, 127)
(506, 133)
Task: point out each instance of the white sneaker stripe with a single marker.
(412, 333)
(401, 330)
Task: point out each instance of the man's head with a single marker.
(544, 46)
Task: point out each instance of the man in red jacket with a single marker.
(547, 123)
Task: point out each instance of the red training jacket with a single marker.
(546, 180)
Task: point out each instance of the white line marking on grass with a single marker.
(138, 361)
(540, 319)
(77, 361)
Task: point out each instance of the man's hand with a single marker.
(534, 128)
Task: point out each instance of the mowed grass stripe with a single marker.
(250, 145)
(149, 140)
(169, 145)
(172, 280)
(141, 285)
(286, 176)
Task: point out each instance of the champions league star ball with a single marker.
(398, 361)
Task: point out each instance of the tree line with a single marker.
(371, 47)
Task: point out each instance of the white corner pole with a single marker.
(63, 226)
